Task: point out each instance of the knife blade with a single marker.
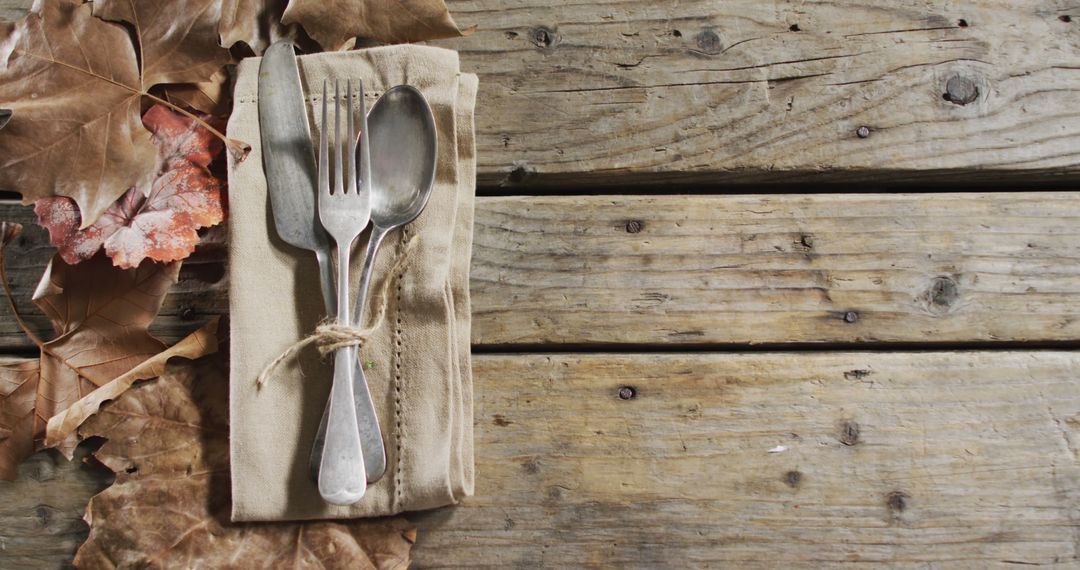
(289, 161)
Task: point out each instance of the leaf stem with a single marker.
(238, 148)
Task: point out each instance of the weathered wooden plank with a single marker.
(776, 269)
(41, 512)
(816, 460)
(623, 92)
(744, 91)
(835, 268)
(768, 460)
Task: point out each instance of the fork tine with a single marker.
(353, 186)
(339, 166)
(324, 168)
(365, 147)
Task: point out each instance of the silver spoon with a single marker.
(404, 150)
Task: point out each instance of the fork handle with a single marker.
(342, 480)
(342, 477)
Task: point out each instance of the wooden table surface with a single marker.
(755, 284)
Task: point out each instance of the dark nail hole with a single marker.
(794, 28)
(511, 35)
(849, 433)
(1066, 18)
(676, 33)
(132, 469)
(544, 38)
(792, 478)
(897, 500)
(627, 393)
(862, 132)
(851, 317)
(634, 226)
(187, 313)
(962, 23)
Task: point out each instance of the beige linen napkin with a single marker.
(417, 364)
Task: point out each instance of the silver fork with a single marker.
(344, 213)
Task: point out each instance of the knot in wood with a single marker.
(960, 90)
(708, 41)
(941, 295)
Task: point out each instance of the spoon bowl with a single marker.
(403, 156)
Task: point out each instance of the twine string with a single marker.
(330, 334)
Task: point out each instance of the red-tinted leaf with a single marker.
(162, 224)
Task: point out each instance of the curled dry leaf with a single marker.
(167, 442)
(100, 315)
(62, 426)
(72, 83)
(161, 225)
(335, 23)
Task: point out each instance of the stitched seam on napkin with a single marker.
(398, 332)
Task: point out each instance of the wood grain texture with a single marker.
(732, 270)
(776, 269)
(14, 9)
(859, 460)
(804, 460)
(41, 512)
(619, 92)
(624, 92)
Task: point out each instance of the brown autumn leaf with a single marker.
(335, 23)
(212, 96)
(62, 426)
(168, 443)
(161, 225)
(100, 315)
(72, 83)
(178, 41)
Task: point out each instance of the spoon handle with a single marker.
(368, 421)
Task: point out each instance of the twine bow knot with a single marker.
(331, 335)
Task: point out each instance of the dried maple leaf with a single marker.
(161, 225)
(100, 315)
(74, 85)
(211, 97)
(168, 443)
(335, 23)
(178, 41)
(72, 82)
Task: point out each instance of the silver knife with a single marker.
(289, 163)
